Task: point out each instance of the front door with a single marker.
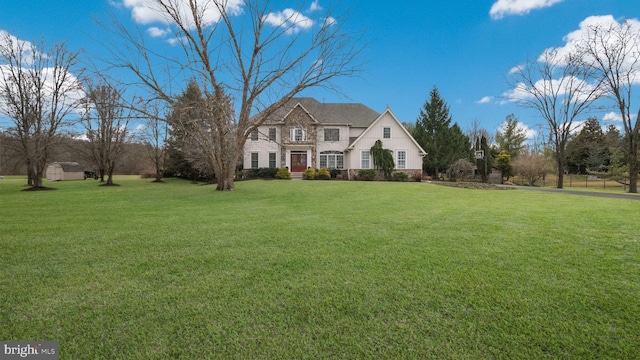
(298, 162)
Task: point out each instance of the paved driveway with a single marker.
(576, 192)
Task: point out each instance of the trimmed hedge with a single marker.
(262, 173)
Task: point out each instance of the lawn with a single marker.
(313, 269)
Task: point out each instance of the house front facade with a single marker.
(308, 134)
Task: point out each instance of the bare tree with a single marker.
(613, 51)
(105, 121)
(39, 93)
(532, 166)
(258, 57)
(155, 138)
(557, 87)
(476, 131)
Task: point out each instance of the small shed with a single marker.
(60, 171)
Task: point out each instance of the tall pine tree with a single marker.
(511, 137)
(444, 144)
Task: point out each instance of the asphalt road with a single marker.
(576, 192)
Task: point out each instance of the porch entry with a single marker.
(298, 161)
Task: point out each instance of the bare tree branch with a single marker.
(558, 88)
(261, 63)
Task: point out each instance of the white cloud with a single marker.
(292, 20)
(314, 6)
(575, 38)
(612, 116)
(157, 32)
(529, 132)
(24, 47)
(485, 100)
(516, 69)
(147, 12)
(502, 8)
(579, 89)
(330, 21)
(71, 91)
(139, 129)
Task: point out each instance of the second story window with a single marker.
(386, 133)
(331, 134)
(272, 134)
(298, 134)
(254, 135)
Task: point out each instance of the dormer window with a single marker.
(298, 134)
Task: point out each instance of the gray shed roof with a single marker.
(71, 167)
(357, 115)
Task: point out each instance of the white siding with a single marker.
(400, 140)
(263, 147)
(333, 145)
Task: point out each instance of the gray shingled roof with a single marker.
(357, 115)
(71, 167)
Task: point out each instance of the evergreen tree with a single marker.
(382, 159)
(485, 163)
(444, 144)
(503, 162)
(510, 137)
(586, 151)
(185, 157)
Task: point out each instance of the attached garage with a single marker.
(61, 171)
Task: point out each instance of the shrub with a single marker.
(399, 176)
(148, 174)
(262, 173)
(284, 174)
(323, 174)
(309, 174)
(335, 172)
(366, 174)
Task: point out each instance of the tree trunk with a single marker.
(37, 180)
(633, 165)
(560, 164)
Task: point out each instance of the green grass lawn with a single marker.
(313, 269)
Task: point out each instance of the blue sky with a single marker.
(465, 48)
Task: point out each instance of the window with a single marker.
(401, 160)
(254, 160)
(331, 134)
(332, 160)
(298, 134)
(365, 159)
(386, 133)
(254, 135)
(272, 160)
(272, 134)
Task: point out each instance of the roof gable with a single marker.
(394, 118)
(356, 115)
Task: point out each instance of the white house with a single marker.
(306, 133)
